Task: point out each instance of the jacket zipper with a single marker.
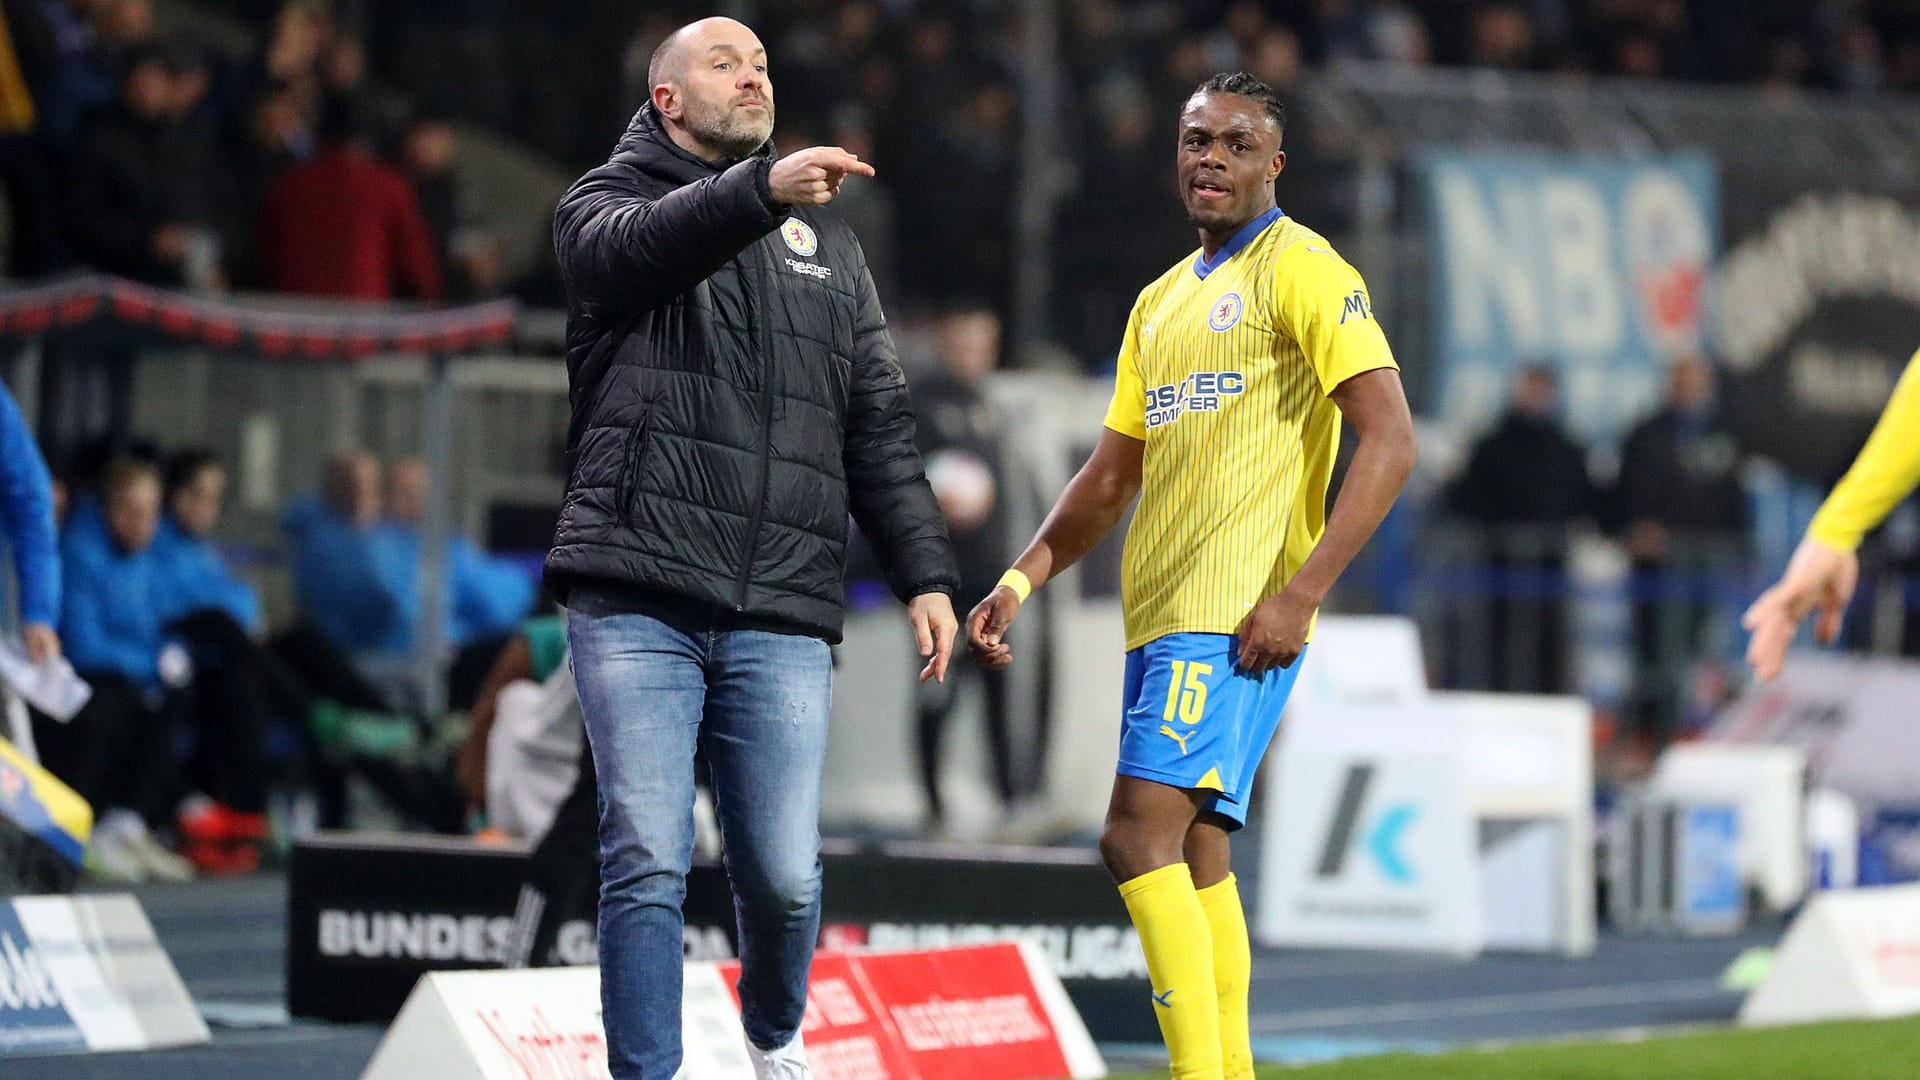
(762, 337)
(635, 457)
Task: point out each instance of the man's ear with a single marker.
(666, 101)
(1278, 164)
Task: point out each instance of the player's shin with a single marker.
(1173, 932)
(1232, 972)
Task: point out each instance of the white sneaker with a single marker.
(160, 864)
(787, 1062)
(111, 855)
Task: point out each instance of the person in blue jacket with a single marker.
(487, 597)
(335, 575)
(26, 522)
(193, 575)
(117, 753)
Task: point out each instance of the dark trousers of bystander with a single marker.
(118, 751)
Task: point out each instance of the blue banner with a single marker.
(1595, 267)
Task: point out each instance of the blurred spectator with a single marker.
(145, 192)
(955, 239)
(117, 753)
(1686, 515)
(485, 598)
(1130, 234)
(960, 438)
(1502, 37)
(469, 255)
(344, 224)
(193, 575)
(272, 138)
(1396, 33)
(32, 98)
(334, 573)
(867, 208)
(27, 517)
(1526, 484)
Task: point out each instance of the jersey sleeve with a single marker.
(1323, 304)
(1886, 471)
(1127, 413)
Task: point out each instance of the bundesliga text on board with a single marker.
(447, 938)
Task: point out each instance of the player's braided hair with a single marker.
(1249, 86)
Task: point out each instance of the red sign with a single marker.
(951, 1014)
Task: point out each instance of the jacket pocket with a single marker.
(627, 491)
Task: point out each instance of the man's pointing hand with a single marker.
(812, 176)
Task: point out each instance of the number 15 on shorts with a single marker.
(1187, 692)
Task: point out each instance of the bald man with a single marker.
(736, 397)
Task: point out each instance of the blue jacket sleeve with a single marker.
(338, 581)
(26, 513)
(193, 577)
(87, 633)
(490, 597)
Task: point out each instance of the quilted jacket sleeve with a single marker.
(886, 483)
(621, 250)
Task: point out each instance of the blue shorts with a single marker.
(1192, 719)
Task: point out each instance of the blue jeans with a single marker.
(655, 685)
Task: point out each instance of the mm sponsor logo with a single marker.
(1356, 308)
(941, 1024)
(1074, 952)
(541, 1050)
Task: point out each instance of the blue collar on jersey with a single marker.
(1202, 266)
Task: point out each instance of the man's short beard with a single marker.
(731, 133)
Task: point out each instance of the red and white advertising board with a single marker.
(985, 1012)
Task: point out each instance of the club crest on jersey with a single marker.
(799, 236)
(1225, 314)
(1201, 391)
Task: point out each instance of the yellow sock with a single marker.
(1232, 972)
(1179, 947)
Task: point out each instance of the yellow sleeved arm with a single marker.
(1886, 471)
(1127, 413)
(1324, 305)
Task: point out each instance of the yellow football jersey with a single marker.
(1224, 373)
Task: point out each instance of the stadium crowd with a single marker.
(158, 159)
(932, 92)
(217, 165)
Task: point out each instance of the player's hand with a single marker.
(42, 643)
(934, 628)
(1274, 633)
(1819, 578)
(986, 626)
(812, 176)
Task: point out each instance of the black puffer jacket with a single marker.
(735, 394)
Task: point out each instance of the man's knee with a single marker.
(779, 892)
(629, 879)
